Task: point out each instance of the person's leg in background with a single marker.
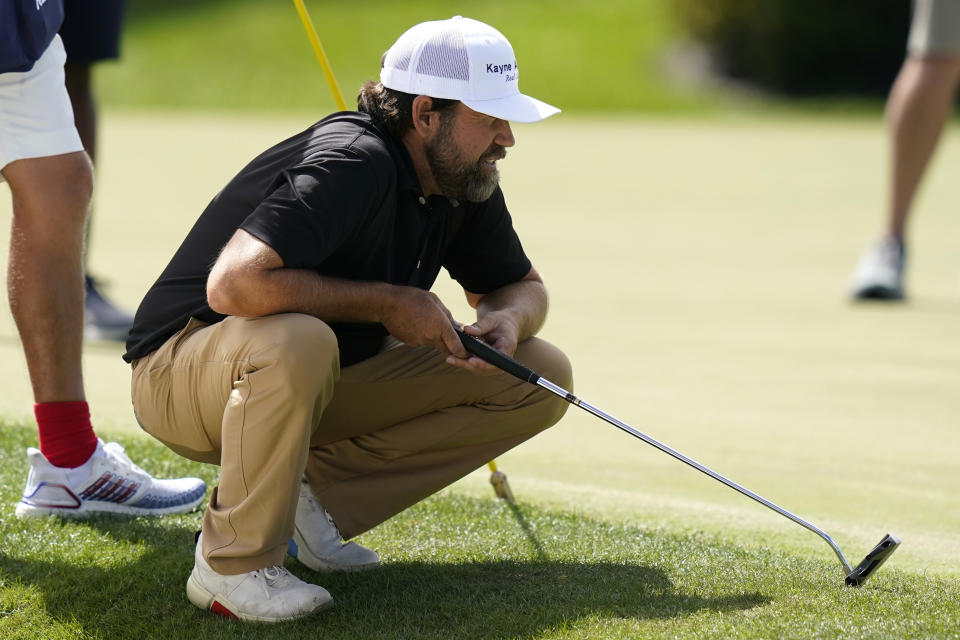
(919, 106)
(45, 274)
(91, 33)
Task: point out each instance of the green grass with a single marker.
(454, 567)
(254, 54)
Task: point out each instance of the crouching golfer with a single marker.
(293, 341)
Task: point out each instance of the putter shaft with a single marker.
(572, 399)
(485, 352)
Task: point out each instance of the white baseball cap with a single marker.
(461, 59)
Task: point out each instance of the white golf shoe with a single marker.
(272, 594)
(108, 482)
(879, 272)
(318, 545)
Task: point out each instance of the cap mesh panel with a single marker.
(445, 56)
(401, 63)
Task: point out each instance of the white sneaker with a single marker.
(272, 594)
(317, 543)
(106, 483)
(879, 272)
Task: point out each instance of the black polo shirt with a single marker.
(340, 198)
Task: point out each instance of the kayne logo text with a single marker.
(501, 68)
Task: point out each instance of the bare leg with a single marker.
(45, 285)
(104, 320)
(45, 273)
(920, 103)
(77, 79)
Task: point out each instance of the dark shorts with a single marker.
(91, 29)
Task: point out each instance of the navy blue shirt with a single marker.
(341, 198)
(26, 31)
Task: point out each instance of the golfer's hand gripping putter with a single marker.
(477, 347)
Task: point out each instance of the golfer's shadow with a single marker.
(145, 598)
(509, 599)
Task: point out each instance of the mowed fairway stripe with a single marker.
(697, 272)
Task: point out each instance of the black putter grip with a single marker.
(485, 352)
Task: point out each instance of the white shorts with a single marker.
(36, 119)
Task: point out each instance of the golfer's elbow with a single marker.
(240, 280)
(227, 295)
(220, 301)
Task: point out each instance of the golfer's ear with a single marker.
(426, 120)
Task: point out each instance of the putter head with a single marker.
(872, 562)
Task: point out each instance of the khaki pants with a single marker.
(265, 399)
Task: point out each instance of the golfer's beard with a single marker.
(472, 182)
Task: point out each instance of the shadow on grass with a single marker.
(144, 598)
(498, 599)
(522, 522)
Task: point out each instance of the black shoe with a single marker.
(102, 319)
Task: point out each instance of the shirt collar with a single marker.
(406, 174)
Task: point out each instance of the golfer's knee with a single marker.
(552, 364)
(553, 408)
(547, 360)
(302, 348)
(80, 182)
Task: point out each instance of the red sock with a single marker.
(66, 435)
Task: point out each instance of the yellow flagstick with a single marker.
(497, 478)
(321, 55)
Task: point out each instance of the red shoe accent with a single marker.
(221, 610)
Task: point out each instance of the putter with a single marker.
(855, 576)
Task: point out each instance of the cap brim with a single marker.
(515, 108)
